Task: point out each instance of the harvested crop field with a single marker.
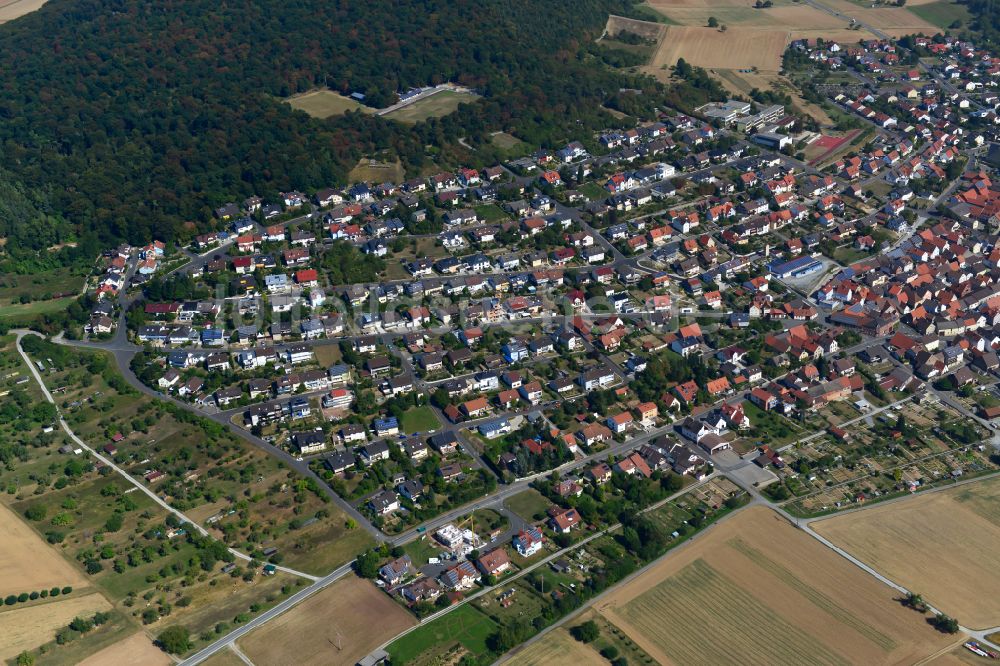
(754, 590)
(27, 563)
(136, 650)
(27, 628)
(339, 625)
(325, 103)
(558, 648)
(897, 21)
(12, 9)
(738, 48)
(945, 546)
(744, 15)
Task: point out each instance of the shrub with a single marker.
(10, 600)
(22, 597)
(587, 632)
(54, 592)
(67, 589)
(175, 640)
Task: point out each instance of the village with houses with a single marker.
(493, 369)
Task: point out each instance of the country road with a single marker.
(121, 472)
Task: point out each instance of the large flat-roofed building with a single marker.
(799, 267)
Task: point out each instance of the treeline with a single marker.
(137, 118)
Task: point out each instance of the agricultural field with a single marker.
(941, 13)
(444, 640)
(27, 563)
(755, 590)
(325, 103)
(439, 104)
(27, 628)
(136, 650)
(942, 545)
(340, 624)
(12, 9)
(557, 648)
(896, 21)
(737, 48)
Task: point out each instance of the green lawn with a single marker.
(419, 419)
(464, 625)
(593, 191)
(434, 106)
(490, 213)
(422, 549)
(528, 503)
(35, 308)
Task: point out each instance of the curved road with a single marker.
(111, 464)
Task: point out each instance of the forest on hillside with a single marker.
(133, 119)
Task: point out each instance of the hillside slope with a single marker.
(130, 118)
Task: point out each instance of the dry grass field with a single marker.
(754, 590)
(352, 612)
(375, 171)
(945, 545)
(136, 650)
(646, 29)
(737, 48)
(12, 9)
(325, 103)
(27, 563)
(27, 628)
(558, 648)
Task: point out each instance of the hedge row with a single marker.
(12, 599)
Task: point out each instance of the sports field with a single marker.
(27, 563)
(754, 590)
(325, 103)
(339, 625)
(439, 104)
(27, 628)
(944, 546)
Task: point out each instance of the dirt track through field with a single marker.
(339, 625)
(945, 546)
(754, 590)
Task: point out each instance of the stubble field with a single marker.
(558, 648)
(136, 650)
(27, 628)
(754, 590)
(339, 625)
(945, 546)
(27, 563)
(737, 48)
